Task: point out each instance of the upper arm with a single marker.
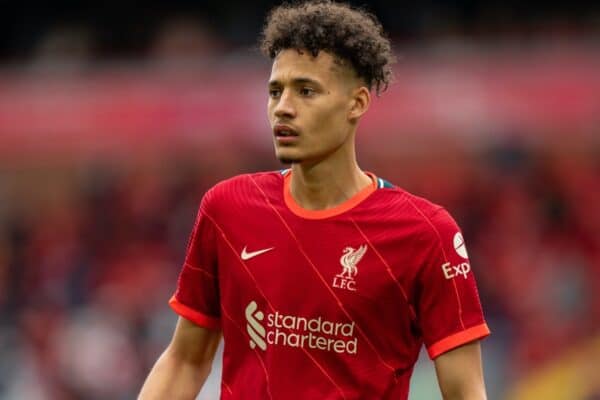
(197, 296)
(447, 304)
(460, 373)
(183, 367)
(196, 299)
(194, 344)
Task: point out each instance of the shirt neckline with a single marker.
(328, 212)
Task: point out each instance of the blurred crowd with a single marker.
(72, 36)
(89, 255)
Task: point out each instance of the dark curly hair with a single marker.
(350, 34)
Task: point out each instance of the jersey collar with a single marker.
(329, 212)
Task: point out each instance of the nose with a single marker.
(284, 107)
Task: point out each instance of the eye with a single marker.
(274, 93)
(307, 92)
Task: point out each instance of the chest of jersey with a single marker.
(332, 276)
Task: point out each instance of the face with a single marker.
(312, 106)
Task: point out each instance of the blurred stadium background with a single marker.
(115, 117)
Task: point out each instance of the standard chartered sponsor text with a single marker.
(293, 331)
(313, 333)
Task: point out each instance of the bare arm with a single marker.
(460, 373)
(181, 370)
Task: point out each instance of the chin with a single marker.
(287, 158)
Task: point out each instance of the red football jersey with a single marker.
(331, 304)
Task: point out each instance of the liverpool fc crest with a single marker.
(349, 259)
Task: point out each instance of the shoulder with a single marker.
(240, 189)
(433, 214)
(425, 216)
(438, 232)
(427, 230)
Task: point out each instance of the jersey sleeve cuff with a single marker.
(458, 339)
(194, 316)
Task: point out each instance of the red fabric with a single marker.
(198, 287)
(458, 339)
(195, 316)
(296, 323)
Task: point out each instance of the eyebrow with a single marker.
(297, 81)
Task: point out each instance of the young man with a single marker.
(323, 279)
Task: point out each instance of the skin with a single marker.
(323, 101)
(183, 367)
(460, 373)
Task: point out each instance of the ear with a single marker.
(361, 99)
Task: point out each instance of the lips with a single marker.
(281, 130)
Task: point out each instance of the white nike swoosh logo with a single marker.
(247, 256)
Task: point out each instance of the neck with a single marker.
(327, 183)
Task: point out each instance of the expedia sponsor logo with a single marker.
(452, 271)
(294, 331)
(461, 269)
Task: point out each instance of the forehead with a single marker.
(291, 64)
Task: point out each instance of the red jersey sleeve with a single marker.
(448, 306)
(197, 295)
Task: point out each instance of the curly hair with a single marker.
(350, 34)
